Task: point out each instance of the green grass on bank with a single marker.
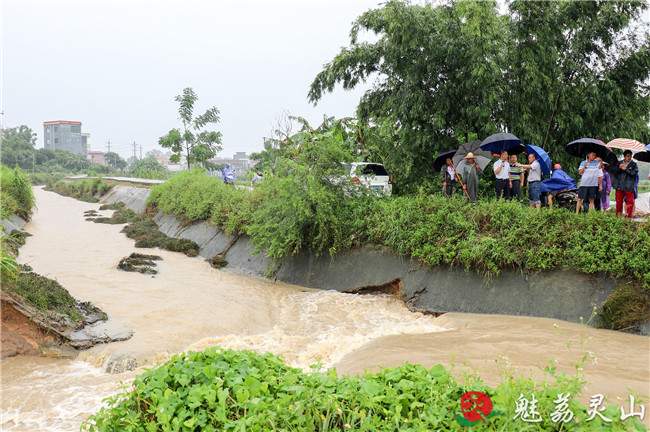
(89, 190)
(16, 197)
(222, 390)
(287, 214)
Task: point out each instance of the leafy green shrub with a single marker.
(45, 178)
(286, 213)
(15, 193)
(88, 190)
(217, 390)
(495, 235)
(300, 210)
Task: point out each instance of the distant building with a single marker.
(84, 142)
(96, 157)
(65, 135)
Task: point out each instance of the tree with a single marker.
(195, 143)
(549, 72)
(17, 146)
(114, 161)
(578, 69)
(437, 72)
(148, 167)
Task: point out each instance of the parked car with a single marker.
(370, 175)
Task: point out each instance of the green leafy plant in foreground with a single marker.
(217, 390)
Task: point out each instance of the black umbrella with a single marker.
(643, 156)
(498, 142)
(440, 161)
(582, 146)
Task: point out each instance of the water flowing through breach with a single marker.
(189, 305)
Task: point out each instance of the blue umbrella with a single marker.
(542, 157)
(496, 143)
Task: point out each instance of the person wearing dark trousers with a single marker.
(516, 179)
(502, 172)
(448, 173)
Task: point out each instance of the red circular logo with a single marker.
(475, 406)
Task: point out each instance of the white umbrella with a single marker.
(626, 144)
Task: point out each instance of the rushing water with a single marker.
(189, 305)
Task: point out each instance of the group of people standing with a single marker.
(596, 180)
(510, 177)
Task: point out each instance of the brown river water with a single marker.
(189, 305)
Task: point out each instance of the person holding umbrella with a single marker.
(625, 175)
(534, 180)
(591, 182)
(502, 172)
(469, 177)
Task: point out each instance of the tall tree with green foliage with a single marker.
(549, 72)
(114, 161)
(17, 146)
(437, 77)
(578, 69)
(193, 142)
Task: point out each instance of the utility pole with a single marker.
(108, 145)
(134, 154)
(140, 151)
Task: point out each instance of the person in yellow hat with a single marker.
(469, 177)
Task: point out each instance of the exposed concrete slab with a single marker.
(12, 223)
(133, 197)
(241, 258)
(366, 266)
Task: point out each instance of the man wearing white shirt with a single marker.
(591, 182)
(502, 172)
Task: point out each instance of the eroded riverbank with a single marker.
(189, 305)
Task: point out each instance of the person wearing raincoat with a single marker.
(469, 176)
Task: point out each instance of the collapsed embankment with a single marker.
(38, 315)
(562, 294)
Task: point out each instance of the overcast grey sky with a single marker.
(116, 65)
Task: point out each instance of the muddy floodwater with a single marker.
(190, 305)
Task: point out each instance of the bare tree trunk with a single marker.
(550, 121)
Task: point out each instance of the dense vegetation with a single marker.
(286, 214)
(89, 190)
(218, 390)
(16, 197)
(445, 73)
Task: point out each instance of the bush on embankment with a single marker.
(16, 197)
(89, 190)
(284, 215)
(219, 390)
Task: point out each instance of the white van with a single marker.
(370, 175)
